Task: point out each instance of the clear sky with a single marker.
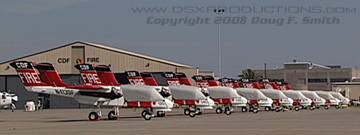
(31, 26)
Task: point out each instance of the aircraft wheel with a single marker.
(111, 115)
(143, 113)
(251, 109)
(255, 110)
(312, 108)
(160, 113)
(192, 114)
(244, 109)
(277, 109)
(187, 111)
(218, 110)
(337, 107)
(296, 108)
(228, 111)
(147, 116)
(93, 116)
(326, 107)
(198, 111)
(267, 108)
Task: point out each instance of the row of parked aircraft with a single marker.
(143, 91)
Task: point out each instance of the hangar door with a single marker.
(77, 57)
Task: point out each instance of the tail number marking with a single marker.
(64, 92)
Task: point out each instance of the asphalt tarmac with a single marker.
(74, 122)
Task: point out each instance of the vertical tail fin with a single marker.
(211, 80)
(288, 87)
(200, 81)
(183, 80)
(89, 74)
(27, 73)
(50, 75)
(134, 77)
(226, 82)
(251, 84)
(285, 87)
(149, 79)
(236, 85)
(269, 84)
(171, 78)
(282, 85)
(106, 75)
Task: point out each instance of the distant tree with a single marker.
(250, 74)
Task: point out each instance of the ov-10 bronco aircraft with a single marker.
(51, 83)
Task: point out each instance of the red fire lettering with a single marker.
(203, 84)
(91, 78)
(29, 77)
(136, 81)
(249, 85)
(172, 83)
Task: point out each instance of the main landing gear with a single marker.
(227, 110)
(147, 114)
(114, 114)
(95, 114)
(192, 111)
(254, 109)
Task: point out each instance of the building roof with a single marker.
(311, 65)
(111, 49)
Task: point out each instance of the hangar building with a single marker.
(311, 76)
(65, 57)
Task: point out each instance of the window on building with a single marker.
(339, 79)
(321, 80)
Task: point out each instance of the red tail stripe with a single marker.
(150, 81)
(108, 78)
(53, 78)
(185, 81)
(213, 83)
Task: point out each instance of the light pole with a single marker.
(218, 12)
